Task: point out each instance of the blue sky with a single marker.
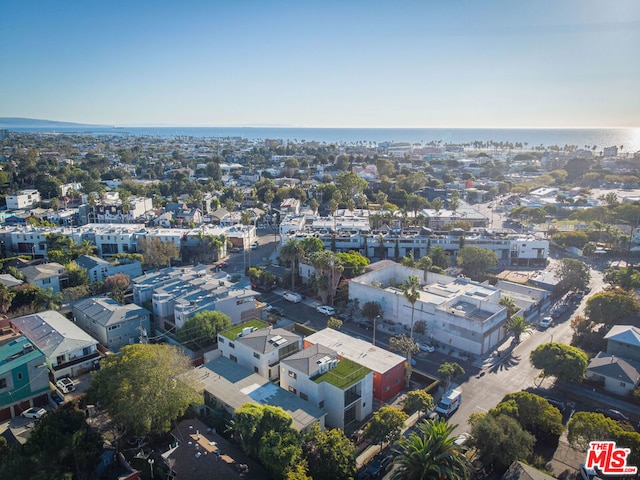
(511, 63)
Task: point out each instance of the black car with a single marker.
(556, 403)
(613, 414)
(379, 464)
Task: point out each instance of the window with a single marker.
(232, 345)
(46, 281)
(304, 396)
(321, 404)
(220, 340)
(256, 370)
(233, 358)
(292, 374)
(292, 390)
(256, 355)
(60, 359)
(3, 382)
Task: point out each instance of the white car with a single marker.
(425, 347)
(326, 310)
(546, 322)
(34, 412)
(65, 385)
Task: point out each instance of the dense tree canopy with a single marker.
(476, 261)
(329, 453)
(532, 412)
(385, 426)
(145, 387)
(561, 361)
(574, 274)
(201, 330)
(611, 306)
(354, 263)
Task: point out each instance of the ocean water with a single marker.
(628, 138)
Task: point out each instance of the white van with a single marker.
(449, 403)
(293, 297)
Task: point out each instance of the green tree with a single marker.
(77, 276)
(371, 310)
(291, 252)
(431, 453)
(47, 300)
(418, 401)
(406, 346)
(350, 185)
(611, 306)
(573, 274)
(311, 245)
(6, 297)
(510, 305)
(454, 201)
(562, 361)
(585, 427)
(145, 387)
(328, 273)
(334, 323)
(499, 441)
(386, 425)
(533, 413)
(354, 263)
(201, 330)
(518, 325)
(410, 290)
(329, 453)
(439, 257)
(476, 261)
(157, 253)
(117, 284)
(449, 371)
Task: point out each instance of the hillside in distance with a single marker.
(18, 122)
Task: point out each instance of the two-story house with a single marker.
(342, 387)
(112, 324)
(259, 347)
(68, 349)
(619, 367)
(45, 276)
(99, 269)
(24, 378)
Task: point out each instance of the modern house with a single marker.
(112, 324)
(259, 347)
(388, 368)
(24, 378)
(69, 351)
(458, 312)
(99, 269)
(342, 387)
(228, 386)
(22, 199)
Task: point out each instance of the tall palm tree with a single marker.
(518, 325)
(411, 293)
(431, 454)
(510, 305)
(291, 252)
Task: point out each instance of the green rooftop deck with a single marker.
(344, 374)
(232, 333)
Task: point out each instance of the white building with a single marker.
(342, 387)
(457, 312)
(258, 347)
(23, 199)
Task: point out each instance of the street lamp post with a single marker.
(374, 329)
(150, 460)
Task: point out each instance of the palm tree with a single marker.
(518, 325)
(510, 306)
(431, 454)
(411, 293)
(291, 252)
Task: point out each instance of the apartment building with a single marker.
(24, 199)
(457, 312)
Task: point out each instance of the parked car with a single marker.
(276, 311)
(462, 439)
(546, 322)
(379, 464)
(57, 398)
(326, 310)
(292, 297)
(254, 245)
(425, 347)
(345, 317)
(559, 309)
(556, 403)
(33, 412)
(613, 414)
(65, 385)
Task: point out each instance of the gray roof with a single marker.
(234, 386)
(627, 334)
(610, 366)
(306, 361)
(260, 340)
(9, 280)
(89, 261)
(52, 333)
(39, 272)
(106, 311)
(521, 471)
